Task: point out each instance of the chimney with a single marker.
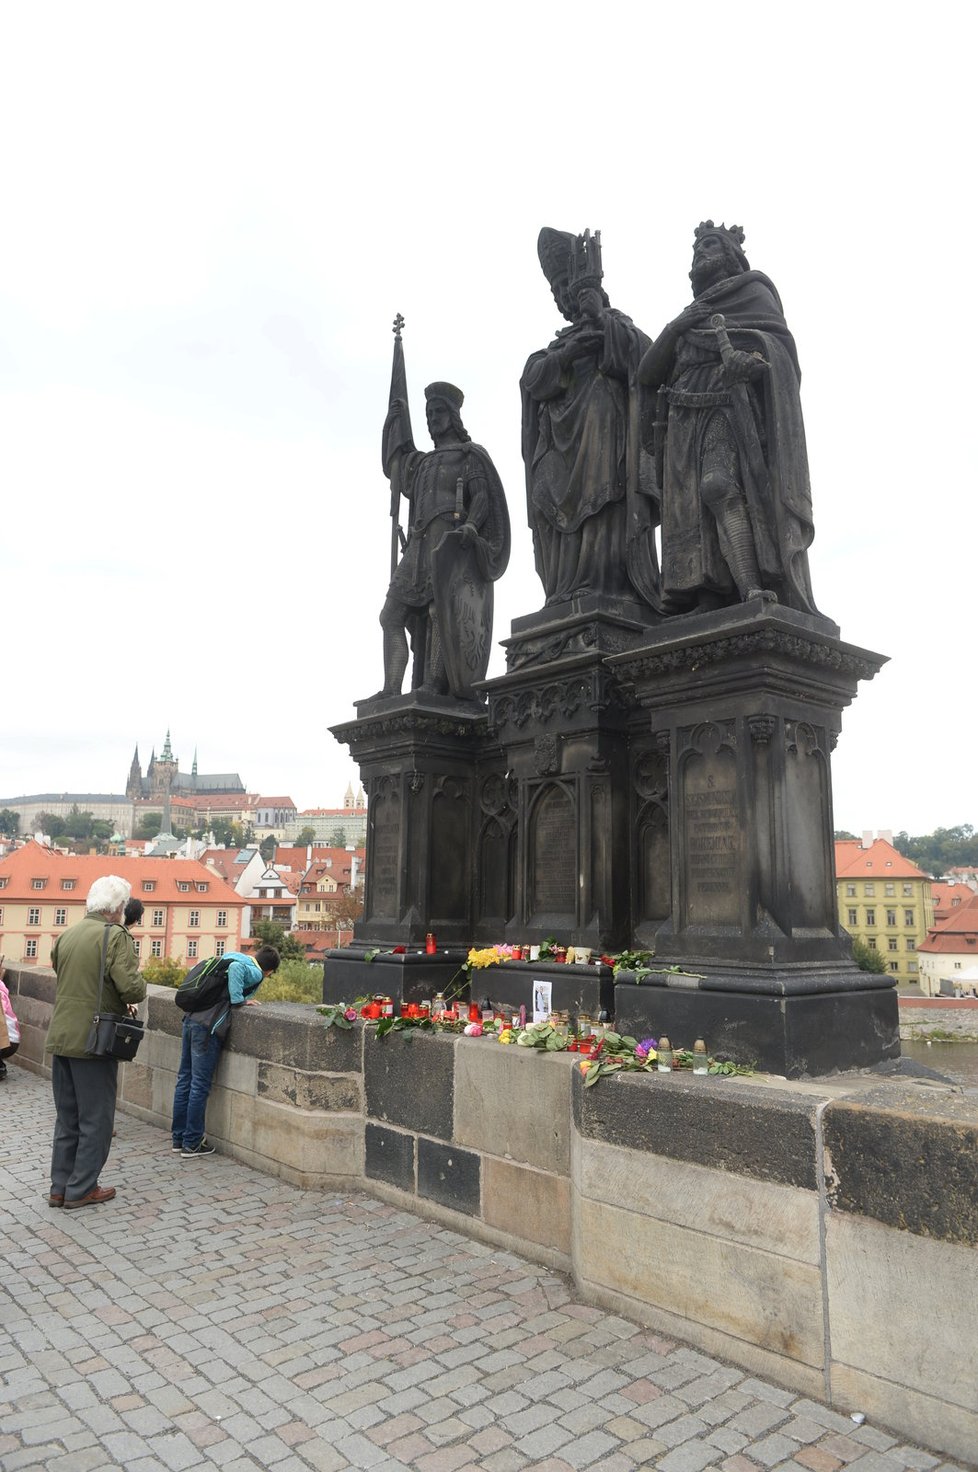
(887, 835)
(867, 839)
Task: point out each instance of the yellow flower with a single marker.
(506, 1036)
(585, 1064)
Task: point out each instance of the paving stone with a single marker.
(290, 1346)
(692, 1456)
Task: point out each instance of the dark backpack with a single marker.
(204, 984)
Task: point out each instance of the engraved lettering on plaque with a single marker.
(713, 840)
(386, 843)
(553, 854)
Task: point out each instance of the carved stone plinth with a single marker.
(409, 977)
(420, 761)
(734, 878)
(563, 725)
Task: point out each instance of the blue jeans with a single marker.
(198, 1060)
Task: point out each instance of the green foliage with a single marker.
(338, 838)
(866, 958)
(304, 837)
(9, 822)
(271, 934)
(164, 971)
(231, 835)
(944, 849)
(50, 824)
(294, 981)
(149, 825)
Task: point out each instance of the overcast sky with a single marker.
(212, 213)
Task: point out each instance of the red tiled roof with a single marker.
(275, 802)
(962, 920)
(949, 897)
(880, 861)
(34, 861)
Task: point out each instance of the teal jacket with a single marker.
(76, 958)
(244, 977)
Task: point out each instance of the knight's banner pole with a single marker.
(397, 435)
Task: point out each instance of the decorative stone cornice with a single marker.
(687, 658)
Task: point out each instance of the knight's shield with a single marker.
(463, 608)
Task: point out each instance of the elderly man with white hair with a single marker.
(85, 1087)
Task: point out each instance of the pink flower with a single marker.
(350, 1014)
(473, 1030)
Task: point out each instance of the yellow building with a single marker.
(189, 912)
(884, 900)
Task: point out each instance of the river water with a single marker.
(957, 1061)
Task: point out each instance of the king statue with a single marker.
(729, 440)
(456, 547)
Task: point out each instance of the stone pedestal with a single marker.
(563, 723)
(419, 760)
(734, 803)
(409, 976)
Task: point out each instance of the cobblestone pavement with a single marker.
(212, 1317)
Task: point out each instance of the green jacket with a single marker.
(76, 958)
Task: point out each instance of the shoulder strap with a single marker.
(101, 969)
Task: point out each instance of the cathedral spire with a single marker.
(167, 753)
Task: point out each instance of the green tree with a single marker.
(294, 981)
(304, 837)
(149, 825)
(944, 849)
(9, 822)
(285, 943)
(50, 824)
(78, 824)
(231, 835)
(338, 839)
(841, 833)
(866, 958)
(347, 908)
(164, 971)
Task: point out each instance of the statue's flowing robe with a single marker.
(429, 480)
(588, 479)
(685, 359)
(447, 488)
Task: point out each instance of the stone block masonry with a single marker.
(822, 1234)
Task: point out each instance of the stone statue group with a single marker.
(698, 433)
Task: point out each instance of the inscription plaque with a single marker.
(386, 843)
(713, 841)
(554, 855)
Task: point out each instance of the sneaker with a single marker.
(204, 1148)
(177, 1147)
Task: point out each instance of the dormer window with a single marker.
(67, 884)
(202, 886)
(38, 883)
(183, 886)
(149, 885)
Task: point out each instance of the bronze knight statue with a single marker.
(729, 440)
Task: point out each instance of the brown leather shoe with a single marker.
(95, 1197)
(55, 1200)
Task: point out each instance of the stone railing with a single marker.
(823, 1233)
(921, 1016)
